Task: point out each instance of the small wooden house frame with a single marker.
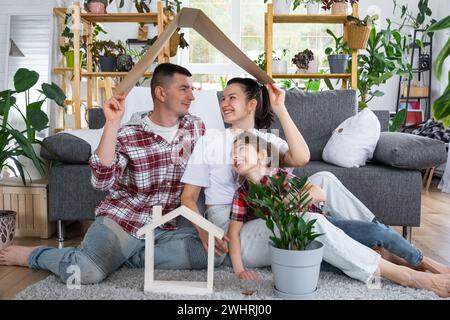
(178, 287)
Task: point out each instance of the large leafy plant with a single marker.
(441, 106)
(15, 142)
(282, 204)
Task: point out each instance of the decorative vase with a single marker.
(296, 273)
(279, 66)
(312, 8)
(7, 227)
(357, 36)
(338, 62)
(282, 6)
(340, 8)
(96, 7)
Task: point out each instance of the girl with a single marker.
(251, 160)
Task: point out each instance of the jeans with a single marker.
(376, 234)
(106, 247)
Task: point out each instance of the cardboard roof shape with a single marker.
(184, 211)
(196, 19)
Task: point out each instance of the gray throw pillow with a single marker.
(67, 148)
(408, 151)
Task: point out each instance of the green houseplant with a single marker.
(441, 106)
(15, 143)
(338, 55)
(296, 256)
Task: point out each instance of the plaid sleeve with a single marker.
(103, 177)
(238, 207)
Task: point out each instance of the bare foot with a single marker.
(438, 283)
(15, 255)
(434, 266)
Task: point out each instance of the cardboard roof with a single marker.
(196, 19)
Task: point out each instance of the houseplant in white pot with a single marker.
(306, 62)
(284, 6)
(312, 6)
(296, 255)
(278, 64)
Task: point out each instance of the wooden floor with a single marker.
(433, 238)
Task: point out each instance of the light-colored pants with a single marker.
(341, 251)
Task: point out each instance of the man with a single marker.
(141, 164)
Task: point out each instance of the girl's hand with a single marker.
(276, 96)
(248, 275)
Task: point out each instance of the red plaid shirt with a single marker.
(240, 211)
(146, 171)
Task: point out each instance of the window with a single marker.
(243, 22)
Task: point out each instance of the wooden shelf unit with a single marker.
(87, 20)
(270, 18)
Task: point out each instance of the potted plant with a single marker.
(67, 48)
(104, 55)
(296, 255)
(97, 6)
(278, 64)
(337, 56)
(305, 62)
(18, 145)
(357, 31)
(284, 6)
(312, 6)
(124, 6)
(124, 60)
(7, 227)
(338, 7)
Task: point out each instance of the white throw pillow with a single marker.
(353, 141)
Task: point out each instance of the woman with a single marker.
(246, 105)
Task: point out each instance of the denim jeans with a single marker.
(106, 247)
(376, 234)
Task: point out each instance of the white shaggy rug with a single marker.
(129, 283)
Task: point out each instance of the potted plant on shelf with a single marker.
(96, 6)
(124, 6)
(104, 55)
(312, 6)
(296, 255)
(18, 143)
(338, 7)
(284, 6)
(278, 64)
(124, 60)
(67, 49)
(357, 31)
(338, 56)
(305, 62)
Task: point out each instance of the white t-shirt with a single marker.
(210, 164)
(168, 133)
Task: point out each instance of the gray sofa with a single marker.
(390, 185)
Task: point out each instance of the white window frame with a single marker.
(216, 68)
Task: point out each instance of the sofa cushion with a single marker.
(317, 114)
(353, 141)
(392, 195)
(408, 151)
(67, 148)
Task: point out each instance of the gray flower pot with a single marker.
(338, 62)
(296, 273)
(107, 64)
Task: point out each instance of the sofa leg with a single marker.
(407, 233)
(61, 233)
